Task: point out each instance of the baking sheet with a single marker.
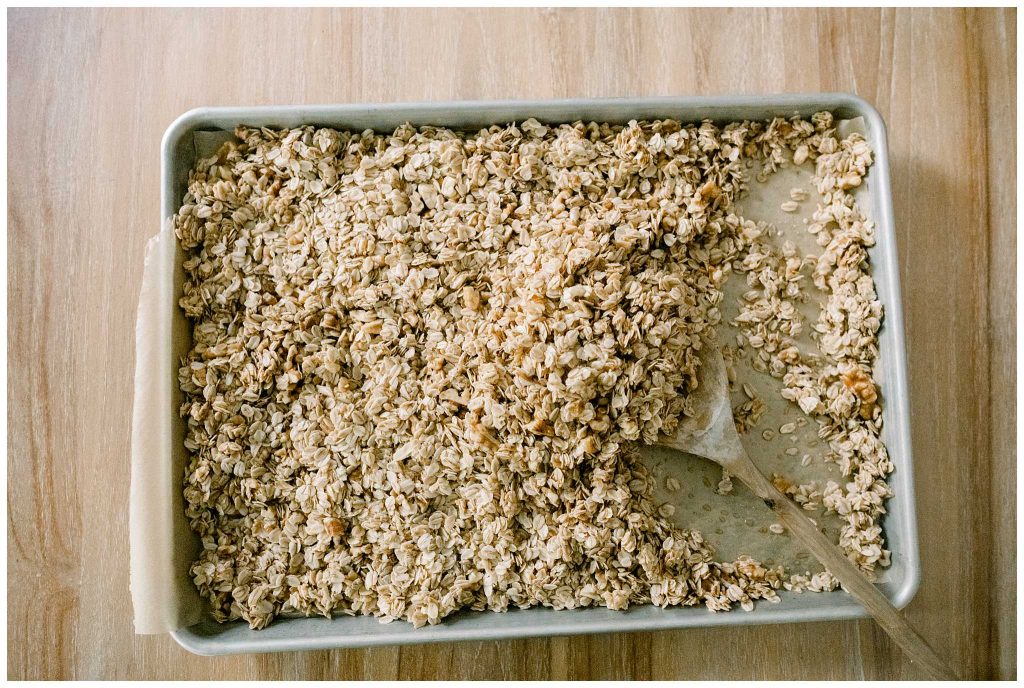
(179, 605)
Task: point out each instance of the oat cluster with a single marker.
(422, 361)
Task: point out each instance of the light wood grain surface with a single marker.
(90, 93)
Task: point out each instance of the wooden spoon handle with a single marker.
(844, 570)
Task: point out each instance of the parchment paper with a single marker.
(163, 547)
(161, 543)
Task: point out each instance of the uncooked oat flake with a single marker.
(422, 361)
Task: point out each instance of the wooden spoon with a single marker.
(711, 433)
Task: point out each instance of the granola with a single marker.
(422, 361)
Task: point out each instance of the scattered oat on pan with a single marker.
(422, 361)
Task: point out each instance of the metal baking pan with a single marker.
(899, 582)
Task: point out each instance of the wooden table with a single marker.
(91, 92)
